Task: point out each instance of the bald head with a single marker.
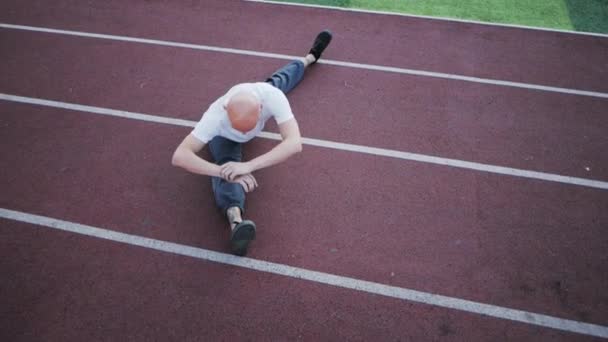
(243, 111)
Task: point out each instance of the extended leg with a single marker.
(227, 194)
(288, 76)
(291, 74)
(230, 197)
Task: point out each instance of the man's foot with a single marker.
(321, 42)
(242, 234)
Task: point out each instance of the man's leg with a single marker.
(291, 74)
(230, 197)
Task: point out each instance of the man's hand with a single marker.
(231, 170)
(248, 182)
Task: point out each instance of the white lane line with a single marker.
(550, 177)
(314, 276)
(381, 68)
(467, 79)
(466, 21)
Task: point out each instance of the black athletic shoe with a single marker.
(241, 236)
(320, 44)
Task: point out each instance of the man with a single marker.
(236, 118)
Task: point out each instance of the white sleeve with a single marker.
(208, 127)
(280, 108)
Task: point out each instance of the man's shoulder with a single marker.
(270, 93)
(250, 86)
(214, 112)
(263, 90)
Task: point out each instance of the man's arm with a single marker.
(291, 144)
(186, 158)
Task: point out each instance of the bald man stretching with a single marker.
(238, 117)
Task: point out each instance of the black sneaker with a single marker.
(241, 236)
(320, 44)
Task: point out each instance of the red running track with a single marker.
(505, 242)
(520, 55)
(532, 130)
(512, 242)
(74, 287)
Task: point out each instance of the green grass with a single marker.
(574, 15)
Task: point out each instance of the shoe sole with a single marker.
(242, 235)
(322, 40)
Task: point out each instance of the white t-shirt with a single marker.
(215, 120)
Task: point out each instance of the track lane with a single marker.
(474, 50)
(79, 287)
(515, 128)
(508, 242)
